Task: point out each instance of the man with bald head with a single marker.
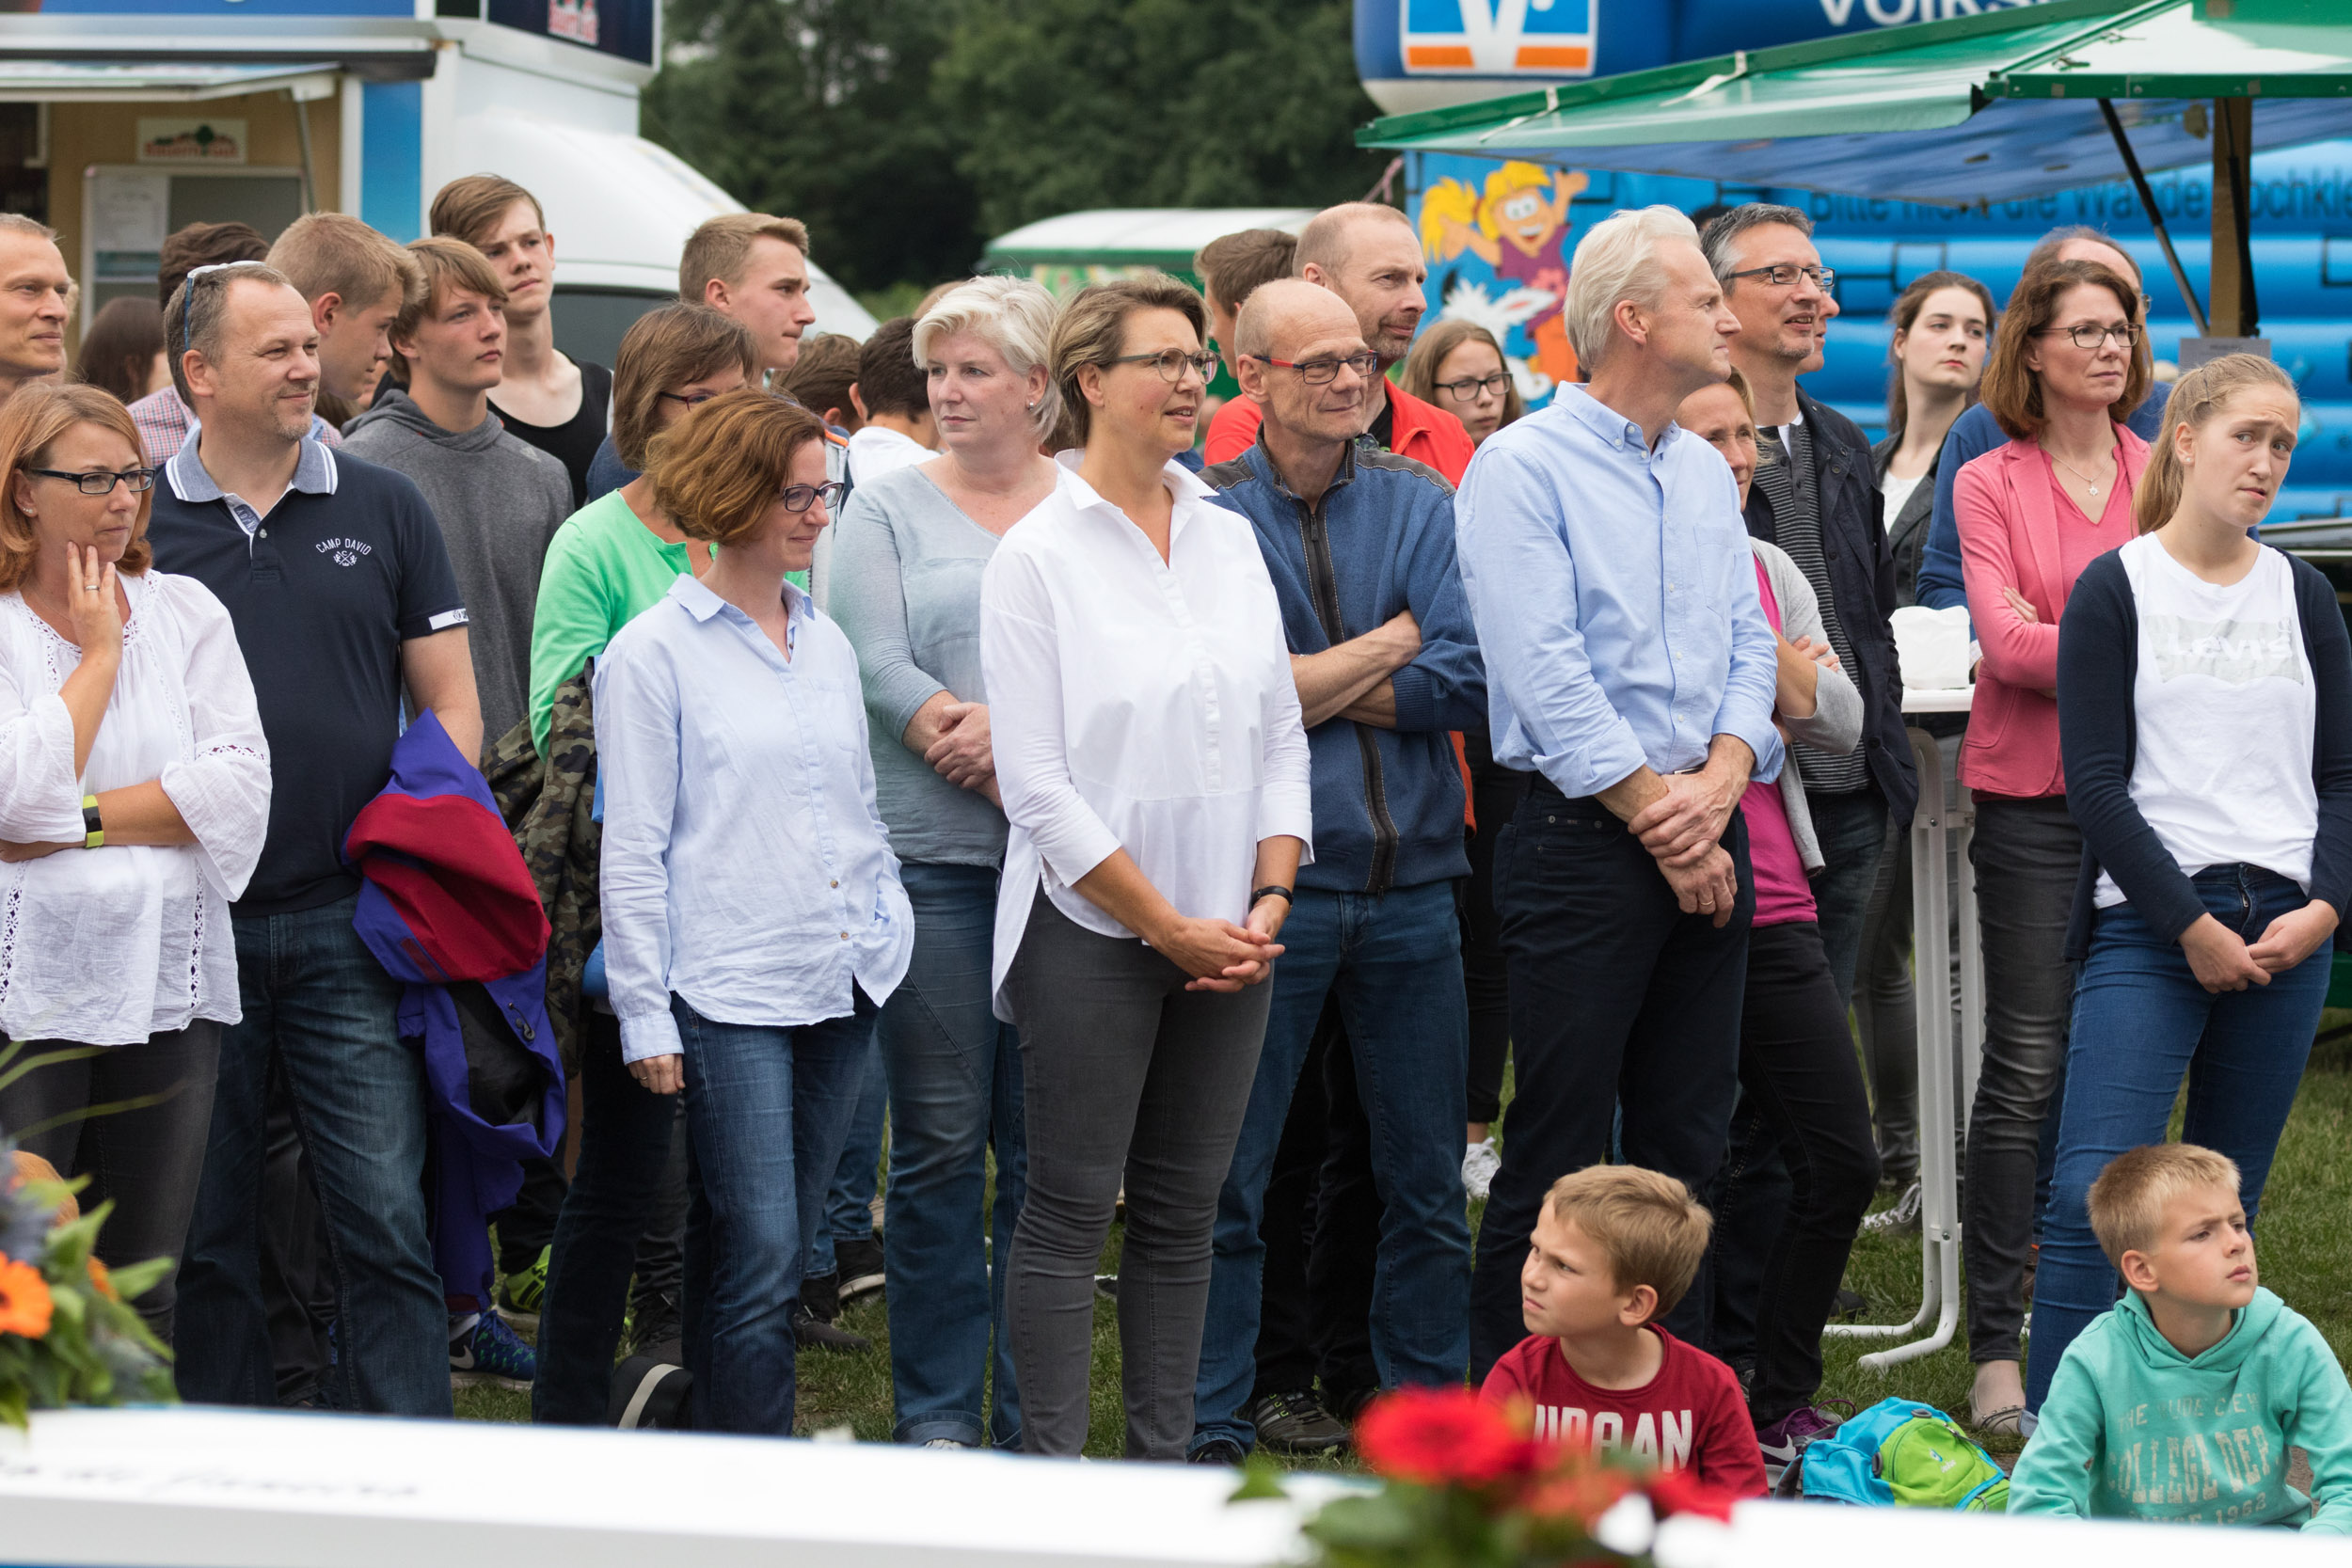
(1976, 432)
(1359, 545)
(1370, 257)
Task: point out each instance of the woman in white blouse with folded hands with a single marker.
(1154, 775)
(133, 799)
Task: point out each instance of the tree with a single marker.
(821, 109)
(1072, 103)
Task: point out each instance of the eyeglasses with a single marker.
(692, 400)
(1172, 362)
(209, 273)
(100, 481)
(2090, 335)
(1319, 373)
(1470, 386)
(1784, 276)
(800, 497)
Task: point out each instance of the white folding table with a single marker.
(1939, 824)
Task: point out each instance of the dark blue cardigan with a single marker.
(2098, 737)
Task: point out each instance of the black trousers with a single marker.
(1496, 792)
(1801, 1082)
(1618, 999)
(1322, 1235)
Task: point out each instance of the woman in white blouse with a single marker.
(753, 916)
(133, 798)
(1154, 775)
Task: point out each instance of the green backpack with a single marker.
(1901, 1453)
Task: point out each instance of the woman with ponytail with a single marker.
(2069, 366)
(2206, 699)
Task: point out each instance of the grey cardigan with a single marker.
(1836, 725)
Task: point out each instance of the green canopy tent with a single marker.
(1970, 111)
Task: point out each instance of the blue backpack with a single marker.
(1901, 1453)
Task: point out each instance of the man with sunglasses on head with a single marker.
(1359, 543)
(1370, 256)
(335, 577)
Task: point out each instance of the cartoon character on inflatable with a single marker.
(1518, 226)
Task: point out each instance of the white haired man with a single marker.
(1631, 667)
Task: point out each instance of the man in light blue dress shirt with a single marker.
(1630, 666)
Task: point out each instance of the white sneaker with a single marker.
(1900, 1218)
(1480, 1161)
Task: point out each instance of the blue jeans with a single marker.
(955, 1092)
(1394, 962)
(2141, 1023)
(315, 998)
(767, 1108)
(849, 1196)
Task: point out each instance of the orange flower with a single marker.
(1576, 1490)
(101, 1281)
(25, 1304)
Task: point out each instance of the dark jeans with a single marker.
(767, 1109)
(955, 1094)
(620, 1191)
(1618, 999)
(145, 1160)
(297, 1282)
(2141, 1025)
(1799, 1076)
(316, 1001)
(1126, 1070)
(528, 1223)
(857, 1174)
(1392, 962)
(1853, 833)
(1322, 1235)
(2027, 854)
(1496, 792)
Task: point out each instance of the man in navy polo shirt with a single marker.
(335, 579)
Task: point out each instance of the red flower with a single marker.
(1442, 1436)
(1679, 1492)
(1576, 1490)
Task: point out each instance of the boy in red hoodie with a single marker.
(1614, 1249)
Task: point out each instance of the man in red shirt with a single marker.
(1614, 1249)
(1370, 256)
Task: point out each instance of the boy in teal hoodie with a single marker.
(2180, 1403)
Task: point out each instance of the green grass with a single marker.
(2305, 1250)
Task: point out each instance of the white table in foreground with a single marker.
(1938, 826)
(243, 1489)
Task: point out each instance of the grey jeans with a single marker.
(2027, 854)
(1126, 1072)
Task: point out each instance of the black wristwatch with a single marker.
(1271, 891)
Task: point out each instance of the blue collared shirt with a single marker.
(1614, 595)
(745, 866)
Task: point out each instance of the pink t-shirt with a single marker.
(1783, 895)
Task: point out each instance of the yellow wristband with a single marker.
(93, 831)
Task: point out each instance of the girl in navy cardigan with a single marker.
(2205, 718)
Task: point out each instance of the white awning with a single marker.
(161, 80)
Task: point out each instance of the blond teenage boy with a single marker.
(1614, 1248)
(2179, 1402)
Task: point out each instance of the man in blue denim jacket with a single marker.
(1359, 543)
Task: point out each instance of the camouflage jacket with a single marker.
(549, 804)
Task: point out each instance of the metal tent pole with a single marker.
(2155, 214)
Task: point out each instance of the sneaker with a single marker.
(520, 1295)
(812, 1332)
(1296, 1423)
(1217, 1450)
(859, 1266)
(1785, 1440)
(950, 1442)
(1479, 1163)
(485, 1351)
(1900, 1218)
(650, 1392)
(1847, 1304)
(653, 1321)
(822, 1297)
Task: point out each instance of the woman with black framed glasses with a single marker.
(1459, 365)
(134, 794)
(754, 919)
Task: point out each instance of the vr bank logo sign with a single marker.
(1495, 38)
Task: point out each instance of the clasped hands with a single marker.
(1683, 827)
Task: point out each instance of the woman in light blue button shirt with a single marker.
(753, 920)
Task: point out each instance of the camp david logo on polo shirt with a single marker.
(346, 551)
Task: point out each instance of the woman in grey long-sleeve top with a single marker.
(906, 587)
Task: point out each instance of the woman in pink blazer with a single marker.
(2071, 364)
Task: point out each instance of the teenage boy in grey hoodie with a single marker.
(498, 499)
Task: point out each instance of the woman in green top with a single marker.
(614, 557)
(620, 553)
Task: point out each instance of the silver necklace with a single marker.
(2088, 481)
